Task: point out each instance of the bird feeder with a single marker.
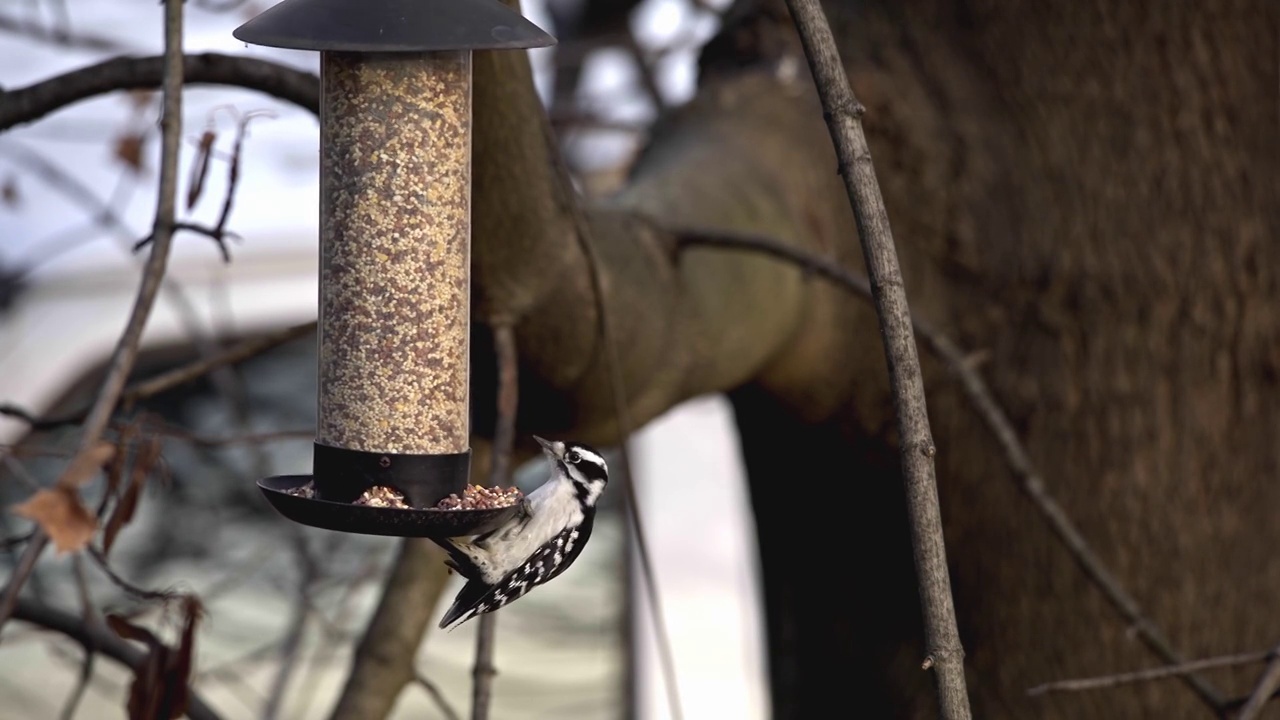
(395, 255)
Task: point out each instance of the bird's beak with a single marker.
(553, 449)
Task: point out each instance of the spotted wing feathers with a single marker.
(548, 561)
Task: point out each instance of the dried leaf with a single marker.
(86, 464)
(129, 149)
(60, 514)
(200, 167)
(9, 191)
(161, 683)
(128, 631)
(179, 675)
(143, 463)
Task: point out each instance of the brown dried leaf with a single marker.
(9, 191)
(143, 463)
(179, 675)
(60, 514)
(86, 464)
(129, 149)
(161, 683)
(128, 631)
(200, 167)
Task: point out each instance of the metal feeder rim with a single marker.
(393, 26)
(366, 520)
(342, 474)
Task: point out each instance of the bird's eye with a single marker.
(572, 456)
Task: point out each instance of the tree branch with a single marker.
(105, 642)
(1157, 673)
(162, 230)
(504, 434)
(993, 416)
(1264, 690)
(130, 73)
(842, 113)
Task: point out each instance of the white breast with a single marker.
(552, 507)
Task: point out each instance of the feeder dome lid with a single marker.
(393, 26)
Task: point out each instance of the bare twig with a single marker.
(993, 416)
(504, 434)
(582, 231)
(1264, 690)
(437, 696)
(127, 348)
(130, 73)
(90, 650)
(483, 671)
(135, 591)
(1150, 674)
(168, 380)
(843, 116)
(233, 355)
(292, 642)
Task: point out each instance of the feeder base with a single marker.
(366, 520)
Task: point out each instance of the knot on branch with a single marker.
(844, 106)
(941, 654)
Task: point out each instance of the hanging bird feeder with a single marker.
(395, 256)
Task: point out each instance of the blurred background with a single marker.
(78, 191)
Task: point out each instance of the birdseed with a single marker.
(478, 497)
(382, 496)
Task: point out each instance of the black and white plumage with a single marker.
(539, 543)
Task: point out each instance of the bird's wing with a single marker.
(548, 561)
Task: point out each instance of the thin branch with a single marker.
(135, 591)
(993, 416)
(107, 643)
(843, 116)
(130, 73)
(292, 643)
(90, 649)
(238, 353)
(1264, 690)
(582, 232)
(127, 348)
(233, 355)
(504, 434)
(483, 671)
(1150, 674)
(434, 691)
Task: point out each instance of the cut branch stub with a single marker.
(395, 243)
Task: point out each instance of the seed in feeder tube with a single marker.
(307, 490)
(477, 497)
(383, 497)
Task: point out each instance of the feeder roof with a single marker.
(392, 26)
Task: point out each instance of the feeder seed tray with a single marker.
(370, 520)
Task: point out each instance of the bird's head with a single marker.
(580, 464)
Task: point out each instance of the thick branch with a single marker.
(132, 73)
(843, 113)
(383, 662)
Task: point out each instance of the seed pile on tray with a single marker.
(303, 491)
(478, 497)
(383, 497)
